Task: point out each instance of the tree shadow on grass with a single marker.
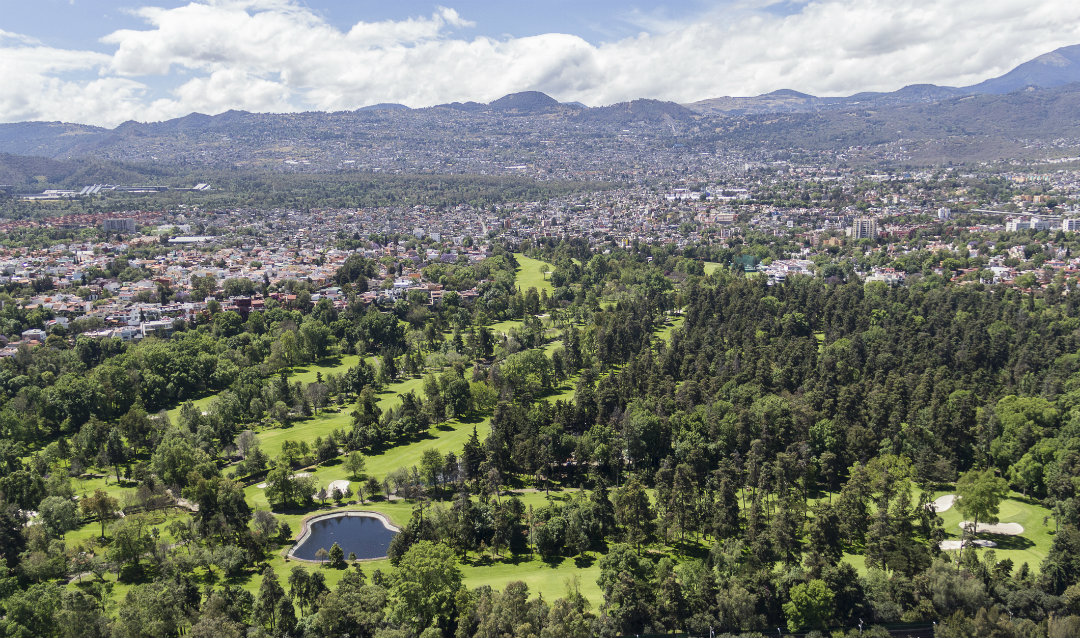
(583, 562)
(1026, 500)
(690, 549)
(553, 561)
(503, 559)
(1007, 542)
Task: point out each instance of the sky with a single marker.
(104, 62)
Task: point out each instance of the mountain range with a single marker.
(1040, 99)
(1050, 70)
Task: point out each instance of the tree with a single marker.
(32, 612)
(1061, 568)
(979, 494)
(305, 588)
(431, 467)
(423, 586)
(59, 515)
(131, 539)
(284, 490)
(153, 610)
(356, 465)
(222, 511)
(12, 539)
(176, 457)
(336, 558)
(266, 525)
(634, 514)
(266, 603)
(810, 606)
(101, 506)
(625, 578)
(115, 451)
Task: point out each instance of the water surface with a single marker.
(365, 536)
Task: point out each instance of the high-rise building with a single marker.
(864, 228)
(118, 225)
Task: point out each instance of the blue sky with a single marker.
(80, 23)
(104, 62)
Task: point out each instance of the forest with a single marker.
(602, 443)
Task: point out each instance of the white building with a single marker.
(864, 228)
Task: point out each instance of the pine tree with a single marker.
(266, 602)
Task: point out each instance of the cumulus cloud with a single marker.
(278, 55)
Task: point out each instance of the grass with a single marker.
(447, 437)
(531, 273)
(337, 365)
(329, 420)
(503, 327)
(1031, 547)
(304, 374)
(202, 404)
(670, 325)
(549, 580)
(711, 267)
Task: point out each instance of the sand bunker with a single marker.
(262, 486)
(944, 503)
(1005, 529)
(340, 485)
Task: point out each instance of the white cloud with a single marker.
(278, 55)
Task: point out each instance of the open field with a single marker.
(531, 274)
(308, 373)
(546, 579)
(337, 418)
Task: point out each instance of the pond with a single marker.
(367, 535)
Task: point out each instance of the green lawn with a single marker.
(106, 483)
(1031, 547)
(670, 324)
(711, 267)
(448, 437)
(531, 274)
(202, 404)
(308, 373)
(503, 327)
(327, 421)
(549, 580)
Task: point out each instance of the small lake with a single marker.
(365, 536)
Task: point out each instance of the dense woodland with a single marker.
(768, 463)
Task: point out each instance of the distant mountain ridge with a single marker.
(987, 118)
(1050, 70)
